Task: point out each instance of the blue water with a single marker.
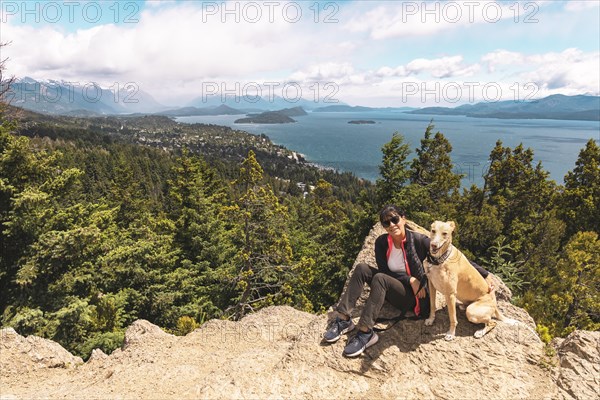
(327, 139)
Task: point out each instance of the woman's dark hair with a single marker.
(390, 209)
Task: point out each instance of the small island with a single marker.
(265, 118)
(292, 112)
(272, 117)
(361, 121)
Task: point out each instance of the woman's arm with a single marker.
(483, 272)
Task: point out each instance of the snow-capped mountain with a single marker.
(67, 98)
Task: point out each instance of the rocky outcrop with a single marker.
(278, 353)
(142, 331)
(20, 355)
(97, 356)
(578, 372)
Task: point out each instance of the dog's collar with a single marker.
(439, 260)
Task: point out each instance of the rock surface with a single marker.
(278, 353)
(142, 331)
(20, 355)
(578, 375)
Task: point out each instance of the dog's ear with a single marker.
(452, 225)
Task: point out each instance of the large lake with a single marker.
(329, 140)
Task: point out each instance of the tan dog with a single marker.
(449, 271)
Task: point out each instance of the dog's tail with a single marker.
(500, 317)
(513, 322)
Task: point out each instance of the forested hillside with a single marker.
(108, 220)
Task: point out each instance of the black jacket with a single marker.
(415, 247)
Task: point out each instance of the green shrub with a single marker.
(185, 325)
(544, 333)
(105, 341)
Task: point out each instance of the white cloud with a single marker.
(449, 81)
(581, 5)
(445, 67)
(428, 18)
(159, 3)
(324, 72)
(169, 46)
(571, 71)
(387, 72)
(502, 57)
(176, 47)
(389, 21)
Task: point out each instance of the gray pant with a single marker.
(383, 287)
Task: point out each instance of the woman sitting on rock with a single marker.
(399, 278)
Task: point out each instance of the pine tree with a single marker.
(433, 167)
(521, 193)
(263, 259)
(578, 283)
(393, 170)
(569, 295)
(37, 197)
(433, 191)
(580, 201)
(322, 226)
(196, 197)
(127, 191)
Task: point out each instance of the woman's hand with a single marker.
(490, 283)
(414, 284)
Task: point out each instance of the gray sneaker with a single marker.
(337, 328)
(360, 342)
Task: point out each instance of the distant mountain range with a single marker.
(557, 106)
(67, 98)
(195, 111)
(347, 108)
(257, 103)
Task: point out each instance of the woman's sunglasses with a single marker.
(394, 220)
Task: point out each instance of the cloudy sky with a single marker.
(374, 53)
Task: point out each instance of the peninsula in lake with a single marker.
(558, 106)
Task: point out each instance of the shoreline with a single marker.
(295, 155)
